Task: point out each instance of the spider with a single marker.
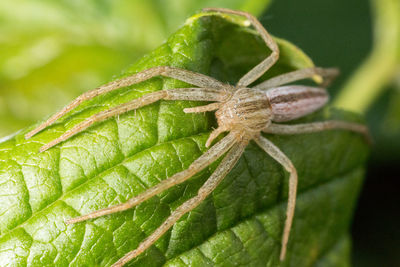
(242, 111)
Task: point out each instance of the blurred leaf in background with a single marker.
(51, 51)
(374, 88)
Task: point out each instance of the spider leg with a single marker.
(280, 157)
(205, 108)
(203, 94)
(226, 94)
(190, 77)
(199, 164)
(262, 67)
(218, 175)
(214, 134)
(328, 74)
(312, 127)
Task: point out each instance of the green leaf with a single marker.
(338, 255)
(52, 51)
(241, 223)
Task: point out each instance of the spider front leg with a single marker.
(202, 94)
(218, 175)
(280, 157)
(199, 164)
(190, 77)
(268, 62)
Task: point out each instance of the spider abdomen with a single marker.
(295, 101)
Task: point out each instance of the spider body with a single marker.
(243, 111)
(251, 111)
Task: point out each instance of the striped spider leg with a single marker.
(242, 111)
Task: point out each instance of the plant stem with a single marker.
(379, 69)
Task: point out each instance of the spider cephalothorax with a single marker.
(242, 111)
(246, 110)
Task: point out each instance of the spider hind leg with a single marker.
(281, 158)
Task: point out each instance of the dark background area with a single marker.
(339, 33)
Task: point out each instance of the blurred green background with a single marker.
(51, 51)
